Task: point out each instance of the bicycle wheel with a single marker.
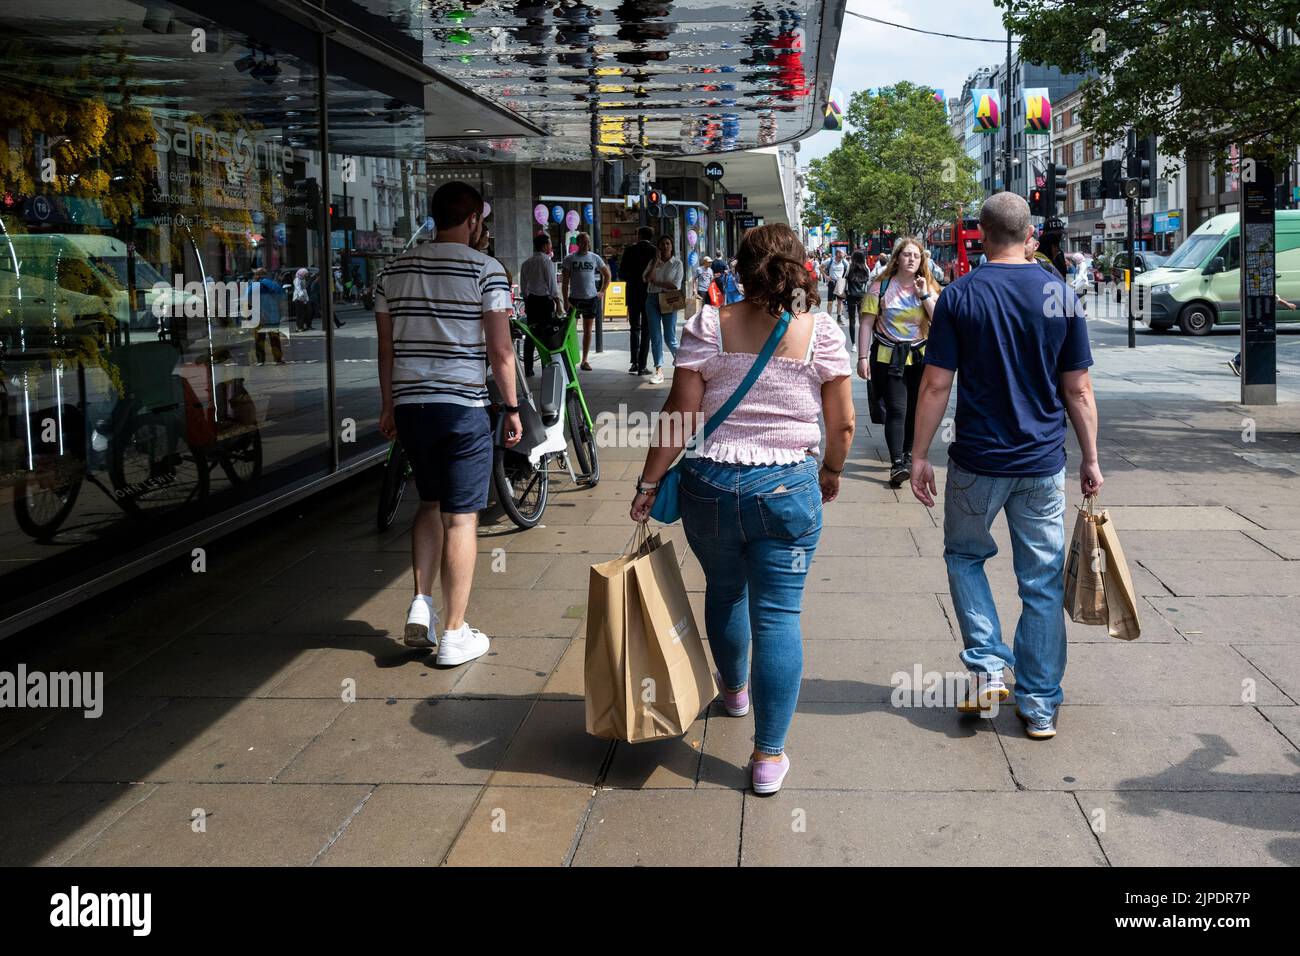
(521, 487)
(43, 499)
(584, 442)
(154, 470)
(396, 470)
(241, 458)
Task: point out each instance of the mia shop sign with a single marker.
(240, 148)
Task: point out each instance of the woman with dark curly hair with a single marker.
(752, 489)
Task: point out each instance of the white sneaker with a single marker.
(657, 378)
(421, 621)
(457, 647)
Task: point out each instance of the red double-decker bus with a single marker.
(955, 246)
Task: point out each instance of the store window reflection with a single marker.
(159, 190)
(378, 195)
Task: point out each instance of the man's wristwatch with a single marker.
(644, 487)
(508, 409)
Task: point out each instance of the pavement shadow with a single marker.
(1151, 795)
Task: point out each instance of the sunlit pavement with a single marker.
(228, 737)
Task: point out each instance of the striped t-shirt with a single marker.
(436, 293)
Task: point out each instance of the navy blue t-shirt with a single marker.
(1009, 331)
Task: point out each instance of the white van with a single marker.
(1199, 286)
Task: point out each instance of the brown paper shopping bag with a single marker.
(1085, 589)
(1121, 597)
(646, 676)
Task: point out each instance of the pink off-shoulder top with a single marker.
(776, 422)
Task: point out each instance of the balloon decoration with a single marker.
(571, 219)
(540, 212)
(691, 216)
(588, 214)
(487, 209)
(693, 259)
(691, 239)
(557, 213)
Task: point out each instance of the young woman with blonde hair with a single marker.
(896, 313)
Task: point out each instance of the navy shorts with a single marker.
(450, 450)
(586, 307)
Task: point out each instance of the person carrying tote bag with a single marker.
(751, 492)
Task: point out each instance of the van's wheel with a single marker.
(1197, 318)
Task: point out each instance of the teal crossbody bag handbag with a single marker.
(667, 507)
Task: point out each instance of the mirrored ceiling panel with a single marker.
(670, 78)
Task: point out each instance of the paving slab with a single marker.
(1138, 672)
(236, 821)
(1152, 747)
(860, 746)
(244, 665)
(52, 750)
(655, 764)
(1197, 829)
(566, 681)
(875, 617)
(692, 828)
(1279, 663)
(402, 825)
(376, 668)
(1155, 629)
(45, 824)
(553, 749)
(1188, 518)
(522, 826)
(1245, 620)
(433, 741)
(212, 741)
(869, 671)
(1286, 721)
(848, 828)
(1226, 578)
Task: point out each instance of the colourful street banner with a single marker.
(986, 109)
(1038, 110)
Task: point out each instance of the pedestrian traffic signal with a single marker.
(1057, 189)
(1142, 165)
(656, 202)
(1038, 201)
(1112, 179)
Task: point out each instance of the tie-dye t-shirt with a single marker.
(904, 312)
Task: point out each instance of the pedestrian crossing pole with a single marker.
(1132, 189)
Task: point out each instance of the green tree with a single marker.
(898, 166)
(1202, 77)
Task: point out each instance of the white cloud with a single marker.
(873, 55)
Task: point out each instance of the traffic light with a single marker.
(656, 202)
(1057, 189)
(1112, 179)
(1038, 202)
(1142, 165)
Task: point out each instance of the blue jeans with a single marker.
(663, 328)
(754, 529)
(1035, 509)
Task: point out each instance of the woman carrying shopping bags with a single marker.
(891, 350)
(663, 279)
(751, 493)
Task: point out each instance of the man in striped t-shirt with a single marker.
(443, 311)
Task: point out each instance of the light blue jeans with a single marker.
(1035, 509)
(663, 328)
(754, 529)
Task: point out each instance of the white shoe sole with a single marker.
(736, 713)
(458, 656)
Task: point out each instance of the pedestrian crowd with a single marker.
(753, 487)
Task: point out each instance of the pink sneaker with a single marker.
(736, 702)
(768, 775)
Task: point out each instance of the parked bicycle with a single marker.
(553, 419)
